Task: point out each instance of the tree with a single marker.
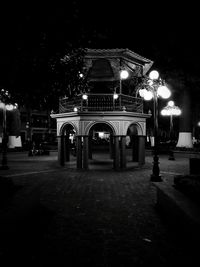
(67, 73)
(39, 47)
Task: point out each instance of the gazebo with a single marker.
(109, 110)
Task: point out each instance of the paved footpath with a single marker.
(65, 217)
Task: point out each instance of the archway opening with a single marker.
(101, 146)
(67, 145)
(132, 145)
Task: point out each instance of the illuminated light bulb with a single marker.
(85, 97)
(171, 103)
(124, 74)
(115, 96)
(142, 92)
(164, 112)
(9, 107)
(148, 95)
(153, 75)
(164, 92)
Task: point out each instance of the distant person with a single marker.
(32, 149)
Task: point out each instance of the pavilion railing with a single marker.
(101, 102)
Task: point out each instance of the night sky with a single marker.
(165, 33)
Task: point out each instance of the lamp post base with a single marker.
(156, 178)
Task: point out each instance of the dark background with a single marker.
(165, 32)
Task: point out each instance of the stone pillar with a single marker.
(61, 150)
(85, 152)
(134, 139)
(79, 152)
(116, 152)
(90, 147)
(111, 147)
(67, 148)
(141, 149)
(123, 152)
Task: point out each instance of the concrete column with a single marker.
(78, 152)
(123, 152)
(67, 148)
(134, 139)
(141, 149)
(85, 152)
(116, 157)
(61, 150)
(90, 147)
(111, 147)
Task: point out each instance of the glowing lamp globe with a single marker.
(9, 107)
(115, 96)
(148, 95)
(153, 75)
(85, 97)
(124, 74)
(164, 92)
(142, 92)
(177, 112)
(164, 112)
(171, 103)
(2, 105)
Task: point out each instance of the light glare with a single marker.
(124, 74)
(148, 95)
(171, 103)
(85, 97)
(153, 75)
(115, 96)
(164, 92)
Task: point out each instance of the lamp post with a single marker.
(84, 100)
(153, 87)
(4, 165)
(123, 75)
(171, 110)
(4, 97)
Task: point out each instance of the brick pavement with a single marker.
(90, 218)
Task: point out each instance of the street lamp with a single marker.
(153, 87)
(84, 96)
(115, 96)
(171, 110)
(123, 75)
(4, 97)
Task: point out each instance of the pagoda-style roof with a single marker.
(107, 92)
(124, 57)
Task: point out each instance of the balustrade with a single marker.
(102, 102)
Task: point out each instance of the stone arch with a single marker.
(100, 147)
(138, 126)
(136, 142)
(66, 141)
(64, 125)
(89, 126)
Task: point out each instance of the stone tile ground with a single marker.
(90, 218)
